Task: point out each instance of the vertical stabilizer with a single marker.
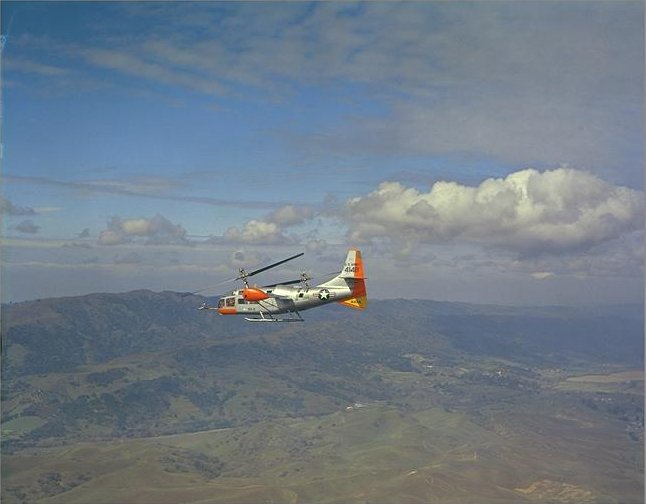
(353, 267)
(353, 273)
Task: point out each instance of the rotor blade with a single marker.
(290, 282)
(265, 268)
(211, 287)
(305, 278)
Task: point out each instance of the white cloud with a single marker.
(530, 213)
(156, 230)
(110, 237)
(270, 230)
(290, 215)
(256, 232)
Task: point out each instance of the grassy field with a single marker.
(373, 453)
(629, 382)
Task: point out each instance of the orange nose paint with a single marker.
(254, 294)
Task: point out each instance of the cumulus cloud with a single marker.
(270, 230)
(156, 230)
(110, 237)
(528, 212)
(290, 215)
(256, 232)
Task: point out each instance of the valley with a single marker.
(139, 398)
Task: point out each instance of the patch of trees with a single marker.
(185, 461)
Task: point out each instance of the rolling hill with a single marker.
(138, 397)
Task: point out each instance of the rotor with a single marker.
(243, 275)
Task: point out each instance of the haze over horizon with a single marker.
(486, 152)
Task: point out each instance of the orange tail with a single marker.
(354, 274)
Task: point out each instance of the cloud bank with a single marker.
(529, 213)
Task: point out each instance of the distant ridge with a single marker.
(480, 403)
(61, 333)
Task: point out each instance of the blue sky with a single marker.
(476, 151)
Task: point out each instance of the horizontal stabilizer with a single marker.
(358, 303)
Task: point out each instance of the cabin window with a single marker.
(301, 295)
(221, 303)
(241, 301)
(231, 301)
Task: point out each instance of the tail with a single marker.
(354, 276)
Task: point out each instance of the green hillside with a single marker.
(139, 397)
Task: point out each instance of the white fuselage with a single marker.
(286, 298)
(347, 288)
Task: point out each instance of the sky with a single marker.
(487, 152)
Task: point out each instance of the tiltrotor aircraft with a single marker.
(267, 303)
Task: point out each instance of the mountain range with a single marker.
(139, 397)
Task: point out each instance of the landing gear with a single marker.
(271, 318)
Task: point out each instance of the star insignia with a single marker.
(324, 294)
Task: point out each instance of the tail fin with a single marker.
(355, 277)
(353, 267)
